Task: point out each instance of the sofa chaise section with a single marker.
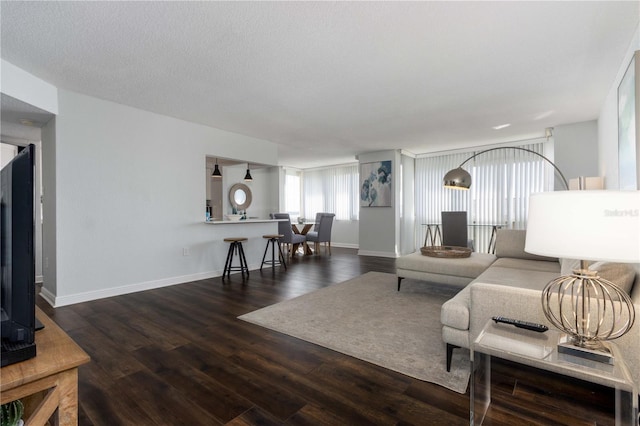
(457, 272)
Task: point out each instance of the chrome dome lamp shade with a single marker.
(457, 178)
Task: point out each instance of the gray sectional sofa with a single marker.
(509, 284)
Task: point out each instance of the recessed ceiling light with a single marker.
(501, 126)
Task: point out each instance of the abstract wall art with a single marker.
(376, 184)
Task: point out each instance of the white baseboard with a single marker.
(58, 301)
(345, 245)
(377, 253)
(48, 296)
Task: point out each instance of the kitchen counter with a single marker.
(236, 222)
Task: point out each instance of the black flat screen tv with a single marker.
(17, 257)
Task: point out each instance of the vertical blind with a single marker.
(502, 181)
(332, 190)
(292, 194)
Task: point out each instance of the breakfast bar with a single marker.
(240, 222)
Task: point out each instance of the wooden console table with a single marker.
(53, 372)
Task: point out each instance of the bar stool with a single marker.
(274, 239)
(236, 245)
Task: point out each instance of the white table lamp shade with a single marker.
(585, 225)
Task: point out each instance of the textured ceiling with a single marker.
(330, 80)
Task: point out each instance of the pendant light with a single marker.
(216, 171)
(248, 177)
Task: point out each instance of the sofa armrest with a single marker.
(487, 300)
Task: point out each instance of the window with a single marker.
(502, 182)
(292, 194)
(334, 190)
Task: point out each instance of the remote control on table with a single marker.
(540, 328)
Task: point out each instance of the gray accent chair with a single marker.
(291, 239)
(323, 234)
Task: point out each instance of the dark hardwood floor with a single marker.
(179, 356)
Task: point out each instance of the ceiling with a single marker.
(329, 80)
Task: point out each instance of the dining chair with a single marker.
(317, 222)
(290, 238)
(454, 229)
(323, 234)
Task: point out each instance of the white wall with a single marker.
(576, 149)
(608, 123)
(345, 233)
(129, 197)
(407, 211)
(379, 227)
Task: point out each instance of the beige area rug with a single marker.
(368, 319)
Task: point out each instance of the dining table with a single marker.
(302, 228)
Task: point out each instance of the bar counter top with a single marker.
(237, 222)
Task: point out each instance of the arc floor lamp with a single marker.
(459, 178)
